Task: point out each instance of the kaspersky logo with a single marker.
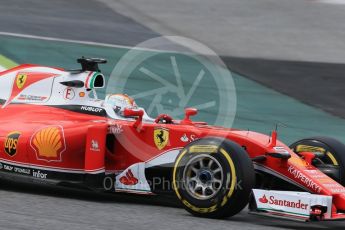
(283, 203)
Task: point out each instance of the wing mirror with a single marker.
(189, 112)
(135, 113)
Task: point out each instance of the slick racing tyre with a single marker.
(213, 178)
(332, 158)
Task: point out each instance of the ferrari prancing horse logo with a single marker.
(20, 80)
(161, 137)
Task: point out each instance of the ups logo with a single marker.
(11, 143)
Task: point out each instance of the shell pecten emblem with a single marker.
(49, 143)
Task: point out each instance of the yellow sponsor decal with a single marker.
(20, 80)
(49, 143)
(11, 143)
(161, 137)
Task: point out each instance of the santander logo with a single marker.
(263, 199)
(129, 179)
(282, 202)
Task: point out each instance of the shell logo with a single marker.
(49, 143)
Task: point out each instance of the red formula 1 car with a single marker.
(53, 129)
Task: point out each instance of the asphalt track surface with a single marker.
(42, 207)
(295, 30)
(75, 19)
(318, 84)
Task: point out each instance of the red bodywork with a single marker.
(79, 144)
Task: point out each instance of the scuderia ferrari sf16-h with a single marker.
(53, 129)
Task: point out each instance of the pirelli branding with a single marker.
(11, 143)
(203, 149)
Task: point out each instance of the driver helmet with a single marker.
(119, 102)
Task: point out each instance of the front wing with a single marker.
(301, 206)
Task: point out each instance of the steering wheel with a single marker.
(164, 119)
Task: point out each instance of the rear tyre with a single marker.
(333, 160)
(213, 178)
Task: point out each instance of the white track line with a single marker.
(337, 2)
(75, 41)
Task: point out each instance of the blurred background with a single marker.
(286, 58)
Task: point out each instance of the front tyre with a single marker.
(332, 162)
(213, 178)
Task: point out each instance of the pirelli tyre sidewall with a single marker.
(237, 181)
(334, 152)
